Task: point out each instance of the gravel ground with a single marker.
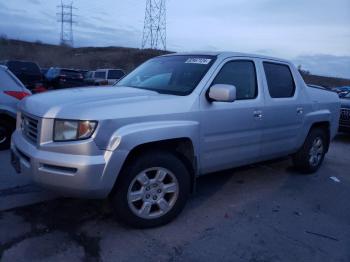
(262, 212)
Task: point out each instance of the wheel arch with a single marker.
(181, 147)
(8, 118)
(6, 111)
(324, 125)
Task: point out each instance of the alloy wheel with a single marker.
(153, 193)
(316, 151)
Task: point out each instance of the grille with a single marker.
(30, 127)
(345, 117)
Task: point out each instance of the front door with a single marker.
(231, 131)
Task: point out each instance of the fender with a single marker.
(128, 137)
(311, 118)
(8, 111)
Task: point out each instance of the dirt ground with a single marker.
(263, 212)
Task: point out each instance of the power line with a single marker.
(66, 19)
(154, 30)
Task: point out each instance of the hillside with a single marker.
(83, 58)
(105, 57)
(325, 80)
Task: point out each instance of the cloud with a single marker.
(36, 2)
(315, 33)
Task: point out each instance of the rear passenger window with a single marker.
(279, 80)
(242, 75)
(100, 74)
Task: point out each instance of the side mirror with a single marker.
(222, 93)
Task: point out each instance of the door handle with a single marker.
(258, 114)
(300, 110)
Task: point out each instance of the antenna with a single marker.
(65, 17)
(154, 29)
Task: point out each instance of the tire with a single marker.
(310, 157)
(128, 209)
(6, 129)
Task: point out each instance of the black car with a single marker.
(28, 72)
(344, 124)
(58, 78)
(343, 90)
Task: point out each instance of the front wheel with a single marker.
(310, 157)
(151, 190)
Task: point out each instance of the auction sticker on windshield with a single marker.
(201, 61)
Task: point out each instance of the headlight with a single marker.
(68, 130)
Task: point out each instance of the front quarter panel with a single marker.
(128, 137)
(133, 135)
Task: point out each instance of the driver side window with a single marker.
(241, 74)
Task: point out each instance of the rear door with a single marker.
(283, 112)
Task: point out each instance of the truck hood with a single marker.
(100, 103)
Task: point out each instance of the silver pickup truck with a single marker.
(144, 141)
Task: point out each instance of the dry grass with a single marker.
(84, 58)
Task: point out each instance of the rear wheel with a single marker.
(310, 157)
(6, 129)
(151, 190)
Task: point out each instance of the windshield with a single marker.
(177, 75)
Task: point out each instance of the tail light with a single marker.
(16, 94)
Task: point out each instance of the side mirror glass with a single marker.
(222, 93)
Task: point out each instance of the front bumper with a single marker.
(90, 176)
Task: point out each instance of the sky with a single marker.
(312, 33)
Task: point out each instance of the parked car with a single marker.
(144, 141)
(344, 124)
(58, 78)
(109, 76)
(26, 71)
(342, 90)
(11, 91)
(90, 79)
(43, 71)
(83, 72)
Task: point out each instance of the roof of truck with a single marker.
(230, 54)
